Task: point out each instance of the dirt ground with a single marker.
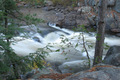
(48, 16)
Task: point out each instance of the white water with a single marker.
(53, 41)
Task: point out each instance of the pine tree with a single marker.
(12, 65)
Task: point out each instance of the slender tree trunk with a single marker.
(100, 32)
(6, 25)
(8, 41)
(83, 39)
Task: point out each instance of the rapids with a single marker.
(62, 44)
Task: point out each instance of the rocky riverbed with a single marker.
(84, 14)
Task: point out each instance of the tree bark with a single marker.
(100, 32)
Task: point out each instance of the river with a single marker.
(62, 45)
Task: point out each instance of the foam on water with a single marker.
(66, 43)
(26, 46)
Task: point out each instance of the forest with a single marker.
(59, 40)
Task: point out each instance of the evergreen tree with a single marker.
(12, 65)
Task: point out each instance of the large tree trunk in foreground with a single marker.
(100, 32)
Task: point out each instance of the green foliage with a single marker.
(7, 4)
(12, 65)
(37, 58)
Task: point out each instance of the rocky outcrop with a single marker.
(113, 56)
(112, 15)
(79, 16)
(117, 5)
(99, 72)
(87, 15)
(74, 66)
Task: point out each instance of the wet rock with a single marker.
(74, 66)
(101, 72)
(36, 39)
(60, 19)
(113, 56)
(118, 34)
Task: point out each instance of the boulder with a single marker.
(117, 6)
(67, 21)
(112, 21)
(113, 56)
(36, 39)
(111, 3)
(91, 20)
(118, 34)
(74, 66)
(100, 72)
(60, 19)
(36, 73)
(70, 20)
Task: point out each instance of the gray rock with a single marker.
(69, 54)
(74, 66)
(117, 6)
(48, 8)
(48, 3)
(38, 73)
(92, 20)
(105, 72)
(115, 30)
(93, 2)
(60, 19)
(112, 22)
(36, 39)
(84, 9)
(118, 34)
(70, 20)
(113, 56)
(111, 3)
(67, 21)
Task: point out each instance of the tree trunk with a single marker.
(100, 32)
